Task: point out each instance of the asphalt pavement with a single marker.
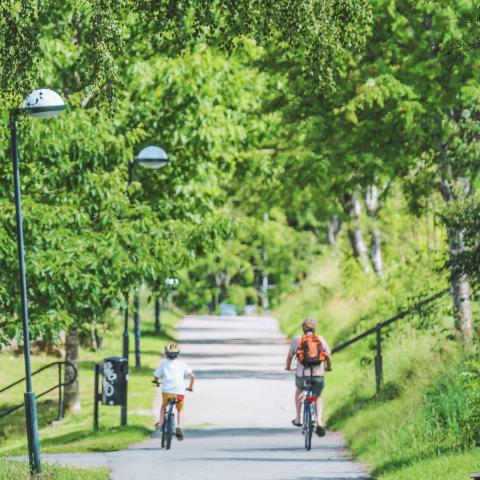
(238, 417)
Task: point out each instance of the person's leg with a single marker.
(162, 417)
(319, 410)
(298, 404)
(179, 432)
(319, 384)
(163, 409)
(180, 418)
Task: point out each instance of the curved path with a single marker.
(238, 418)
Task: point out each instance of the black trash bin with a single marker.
(114, 372)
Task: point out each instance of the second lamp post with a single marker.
(150, 157)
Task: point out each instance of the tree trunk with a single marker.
(372, 204)
(158, 310)
(359, 247)
(460, 287)
(71, 400)
(94, 336)
(376, 252)
(334, 226)
(450, 188)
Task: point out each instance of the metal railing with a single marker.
(377, 329)
(60, 385)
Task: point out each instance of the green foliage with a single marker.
(89, 239)
(234, 273)
(464, 216)
(105, 35)
(426, 417)
(75, 432)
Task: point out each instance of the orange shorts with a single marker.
(167, 396)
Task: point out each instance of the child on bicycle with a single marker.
(171, 372)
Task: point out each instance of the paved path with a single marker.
(239, 415)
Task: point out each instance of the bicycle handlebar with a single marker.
(157, 384)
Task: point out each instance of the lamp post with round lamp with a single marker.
(43, 103)
(153, 158)
(170, 284)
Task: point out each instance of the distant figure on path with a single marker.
(171, 373)
(309, 368)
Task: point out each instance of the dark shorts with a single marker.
(317, 383)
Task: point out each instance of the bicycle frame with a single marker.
(169, 411)
(168, 426)
(309, 411)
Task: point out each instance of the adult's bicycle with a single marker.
(309, 411)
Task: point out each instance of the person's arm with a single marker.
(158, 374)
(288, 365)
(328, 354)
(325, 346)
(291, 354)
(191, 377)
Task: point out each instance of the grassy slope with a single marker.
(75, 433)
(392, 434)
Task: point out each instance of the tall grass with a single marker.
(427, 417)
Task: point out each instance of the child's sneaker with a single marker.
(179, 434)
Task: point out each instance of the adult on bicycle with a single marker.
(315, 374)
(171, 372)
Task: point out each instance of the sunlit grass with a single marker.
(10, 470)
(397, 434)
(75, 432)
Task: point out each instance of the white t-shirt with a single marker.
(172, 373)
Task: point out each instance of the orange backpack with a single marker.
(310, 352)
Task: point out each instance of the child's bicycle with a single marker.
(168, 427)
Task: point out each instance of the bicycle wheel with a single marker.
(164, 434)
(308, 427)
(169, 431)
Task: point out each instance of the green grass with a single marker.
(75, 432)
(10, 470)
(418, 427)
(447, 467)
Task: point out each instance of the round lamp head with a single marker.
(44, 103)
(152, 157)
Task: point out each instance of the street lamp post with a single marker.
(153, 158)
(170, 283)
(42, 103)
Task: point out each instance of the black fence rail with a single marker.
(60, 385)
(377, 329)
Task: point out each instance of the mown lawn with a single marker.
(75, 432)
(10, 470)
